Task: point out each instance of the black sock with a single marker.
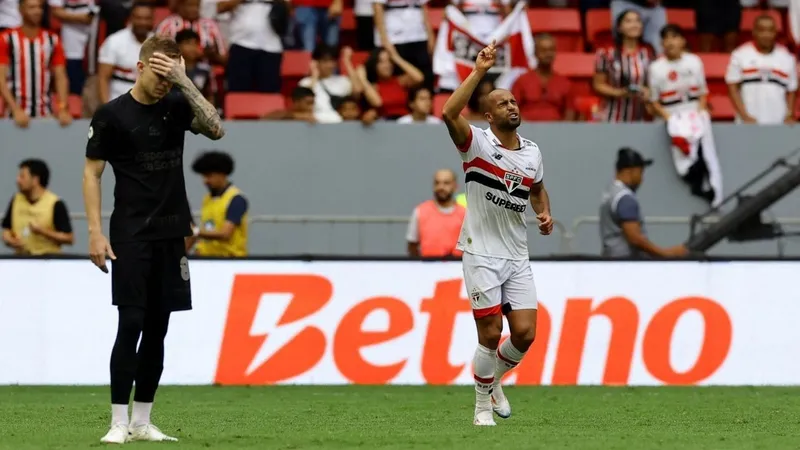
(151, 356)
(123, 356)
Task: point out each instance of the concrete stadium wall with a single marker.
(300, 169)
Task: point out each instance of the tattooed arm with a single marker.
(206, 118)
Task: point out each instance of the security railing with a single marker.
(332, 220)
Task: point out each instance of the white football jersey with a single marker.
(679, 84)
(498, 182)
(764, 80)
(121, 52)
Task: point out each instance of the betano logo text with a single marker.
(310, 293)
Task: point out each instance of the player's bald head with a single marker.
(444, 175)
(444, 185)
(498, 95)
(503, 111)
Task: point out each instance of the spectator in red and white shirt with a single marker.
(76, 18)
(542, 94)
(188, 16)
(621, 72)
(29, 55)
(762, 77)
(312, 16)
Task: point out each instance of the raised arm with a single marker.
(457, 125)
(206, 118)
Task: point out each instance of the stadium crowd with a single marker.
(329, 61)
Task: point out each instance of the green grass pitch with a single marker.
(402, 417)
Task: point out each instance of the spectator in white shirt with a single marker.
(404, 27)
(762, 77)
(76, 17)
(116, 72)
(256, 52)
(330, 89)
(420, 103)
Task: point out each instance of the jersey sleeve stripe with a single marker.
(463, 148)
(493, 169)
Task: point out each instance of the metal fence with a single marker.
(566, 235)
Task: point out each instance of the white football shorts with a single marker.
(498, 285)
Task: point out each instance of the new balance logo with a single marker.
(497, 156)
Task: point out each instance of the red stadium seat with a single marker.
(721, 108)
(579, 68)
(438, 103)
(360, 58)
(348, 22)
(563, 24)
(75, 105)
(587, 106)
(159, 14)
(295, 64)
(684, 18)
(252, 105)
(598, 27)
(716, 64)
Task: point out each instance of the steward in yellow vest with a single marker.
(222, 231)
(36, 221)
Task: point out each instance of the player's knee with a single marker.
(489, 331)
(524, 337)
(131, 320)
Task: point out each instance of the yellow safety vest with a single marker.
(212, 217)
(461, 199)
(23, 213)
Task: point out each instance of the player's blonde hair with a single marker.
(159, 44)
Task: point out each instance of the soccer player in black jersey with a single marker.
(141, 135)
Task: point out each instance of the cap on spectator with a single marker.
(628, 157)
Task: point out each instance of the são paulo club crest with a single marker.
(512, 181)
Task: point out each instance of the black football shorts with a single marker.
(151, 275)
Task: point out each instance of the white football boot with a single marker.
(149, 432)
(118, 434)
(500, 403)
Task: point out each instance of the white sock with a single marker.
(483, 367)
(141, 413)
(507, 358)
(119, 415)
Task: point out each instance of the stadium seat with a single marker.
(438, 103)
(587, 106)
(348, 22)
(598, 27)
(721, 108)
(360, 58)
(159, 14)
(716, 64)
(579, 68)
(684, 18)
(75, 105)
(563, 24)
(252, 105)
(295, 63)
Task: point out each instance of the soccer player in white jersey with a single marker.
(503, 171)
